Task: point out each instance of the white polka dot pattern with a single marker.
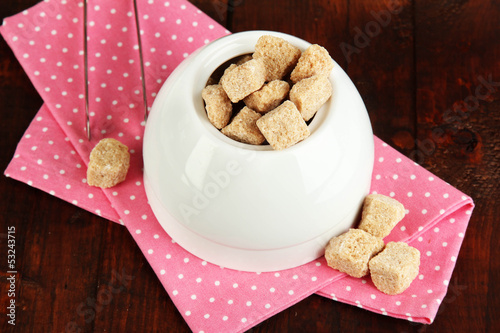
(433, 210)
(53, 153)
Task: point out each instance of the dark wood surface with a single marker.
(414, 73)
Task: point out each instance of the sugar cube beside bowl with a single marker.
(247, 207)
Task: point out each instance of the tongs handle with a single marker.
(86, 75)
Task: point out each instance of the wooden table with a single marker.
(415, 67)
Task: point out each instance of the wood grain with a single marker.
(415, 63)
(453, 52)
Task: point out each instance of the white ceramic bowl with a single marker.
(248, 207)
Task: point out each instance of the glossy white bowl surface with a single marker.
(249, 207)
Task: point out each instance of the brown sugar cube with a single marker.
(314, 61)
(283, 127)
(217, 104)
(380, 214)
(244, 79)
(351, 252)
(310, 94)
(234, 65)
(227, 70)
(268, 97)
(243, 59)
(279, 56)
(393, 269)
(109, 163)
(243, 127)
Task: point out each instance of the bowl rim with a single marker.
(314, 125)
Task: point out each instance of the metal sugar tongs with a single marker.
(85, 55)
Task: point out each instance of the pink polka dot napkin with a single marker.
(53, 154)
(436, 218)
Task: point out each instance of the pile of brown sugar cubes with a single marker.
(281, 88)
(359, 252)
